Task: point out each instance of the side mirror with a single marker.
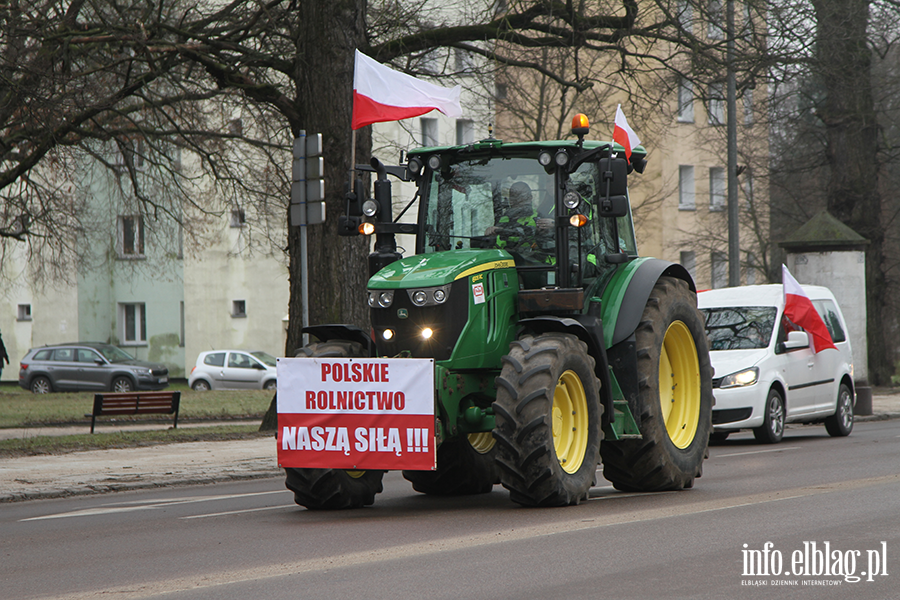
(615, 172)
(796, 339)
(614, 206)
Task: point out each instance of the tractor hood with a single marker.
(440, 268)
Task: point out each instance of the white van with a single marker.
(765, 378)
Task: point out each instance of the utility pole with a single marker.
(734, 245)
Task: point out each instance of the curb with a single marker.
(91, 490)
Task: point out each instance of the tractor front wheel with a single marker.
(333, 489)
(548, 420)
(673, 407)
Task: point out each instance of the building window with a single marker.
(501, 91)
(238, 308)
(237, 217)
(685, 100)
(716, 112)
(688, 260)
(718, 269)
(748, 107)
(465, 132)
(686, 187)
(748, 187)
(751, 269)
(429, 132)
(716, 18)
(24, 312)
(131, 236)
(717, 188)
(463, 59)
(685, 15)
(132, 318)
(181, 328)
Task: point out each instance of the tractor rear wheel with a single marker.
(548, 420)
(465, 465)
(673, 407)
(333, 489)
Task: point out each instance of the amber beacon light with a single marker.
(580, 125)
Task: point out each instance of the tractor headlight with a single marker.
(380, 299)
(571, 200)
(740, 379)
(562, 158)
(545, 158)
(429, 296)
(427, 333)
(387, 334)
(434, 162)
(370, 208)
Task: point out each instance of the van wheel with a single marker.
(840, 424)
(772, 429)
(41, 385)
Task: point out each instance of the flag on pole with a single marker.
(623, 134)
(382, 94)
(800, 310)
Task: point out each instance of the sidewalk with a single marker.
(101, 471)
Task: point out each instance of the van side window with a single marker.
(829, 314)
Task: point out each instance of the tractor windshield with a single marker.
(509, 203)
(466, 201)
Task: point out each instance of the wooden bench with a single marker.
(135, 403)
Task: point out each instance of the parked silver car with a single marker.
(88, 366)
(233, 370)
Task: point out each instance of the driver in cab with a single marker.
(520, 229)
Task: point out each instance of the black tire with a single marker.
(548, 420)
(270, 385)
(465, 465)
(840, 424)
(41, 385)
(333, 489)
(201, 385)
(121, 385)
(672, 349)
(772, 429)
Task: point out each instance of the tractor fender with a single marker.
(632, 302)
(350, 333)
(589, 329)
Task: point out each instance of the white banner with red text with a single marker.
(356, 413)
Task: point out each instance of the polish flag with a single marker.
(382, 94)
(800, 310)
(623, 134)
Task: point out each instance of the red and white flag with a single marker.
(382, 94)
(800, 310)
(623, 134)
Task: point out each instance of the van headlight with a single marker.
(740, 379)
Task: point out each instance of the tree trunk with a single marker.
(848, 112)
(329, 32)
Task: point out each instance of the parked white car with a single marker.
(765, 378)
(233, 370)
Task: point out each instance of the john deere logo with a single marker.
(402, 313)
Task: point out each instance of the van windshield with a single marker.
(739, 327)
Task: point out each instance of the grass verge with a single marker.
(44, 444)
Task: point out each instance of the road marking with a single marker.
(755, 452)
(212, 580)
(134, 505)
(237, 512)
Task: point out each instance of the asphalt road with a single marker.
(247, 539)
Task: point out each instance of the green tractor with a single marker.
(556, 348)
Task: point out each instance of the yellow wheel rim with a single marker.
(482, 442)
(570, 422)
(355, 474)
(679, 384)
